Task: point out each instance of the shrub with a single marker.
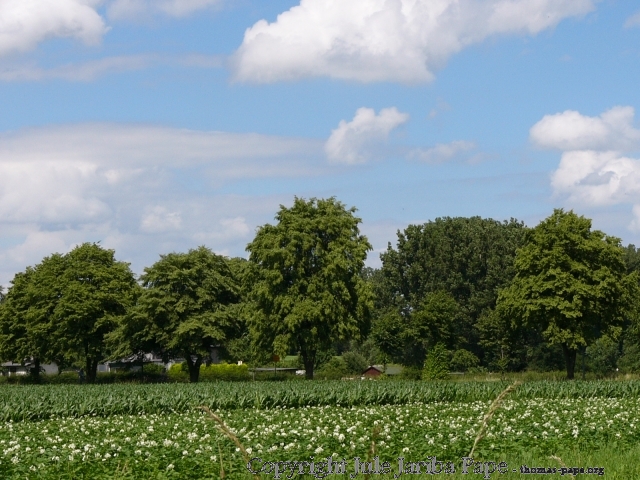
(436, 366)
(356, 363)
(462, 360)
(602, 356)
(334, 369)
(411, 373)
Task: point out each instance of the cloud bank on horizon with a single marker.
(122, 183)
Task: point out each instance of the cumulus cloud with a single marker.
(134, 9)
(442, 152)
(633, 21)
(596, 168)
(357, 141)
(141, 189)
(385, 40)
(569, 130)
(25, 23)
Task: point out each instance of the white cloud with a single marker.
(442, 151)
(25, 23)
(356, 141)
(87, 71)
(612, 130)
(141, 189)
(595, 168)
(159, 220)
(135, 9)
(633, 21)
(385, 40)
(595, 178)
(109, 145)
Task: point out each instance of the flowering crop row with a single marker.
(190, 446)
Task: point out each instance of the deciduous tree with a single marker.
(468, 258)
(97, 290)
(185, 308)
(308, 290)
(571, 284)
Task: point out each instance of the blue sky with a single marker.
(160, 125)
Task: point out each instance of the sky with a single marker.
(156, 126)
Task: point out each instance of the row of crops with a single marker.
(31, 403)
(189, 445)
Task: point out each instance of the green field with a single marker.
(156, 431)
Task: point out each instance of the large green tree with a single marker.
(469, 259)
(571, 284)
(185, 309)
(63, 308)
(308, 291)
(97, 291)
(28, 324)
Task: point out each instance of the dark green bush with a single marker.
(356, 363)
(462, 360)
(334, 369)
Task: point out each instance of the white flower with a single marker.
(170, 466)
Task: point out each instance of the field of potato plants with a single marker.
(158, 431)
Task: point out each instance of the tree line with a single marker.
(452, 294)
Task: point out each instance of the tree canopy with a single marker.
(571, 283)
(63, 308)
(469, 259)
(185, 308)
(308, 291)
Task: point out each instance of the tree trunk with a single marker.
(194, 368)
(91, 365)
(309, 360)
(570, 360)
(35, 371)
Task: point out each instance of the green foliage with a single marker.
(436, 366)
(356, 363)
(411, 372)
(63, 309)
(179, 372)
(571, 284)
(462, 360)
(185, 309)
(307, 289)
(603, 355)
(629, 362)
(406, 337)
(40, 402)
(468, 258)
(368, 350)
(543, 357)
(388, 336)
(334, 369)
(224, 371)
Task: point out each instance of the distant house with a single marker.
(12, 368)
(376, 370)
(372, 371)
